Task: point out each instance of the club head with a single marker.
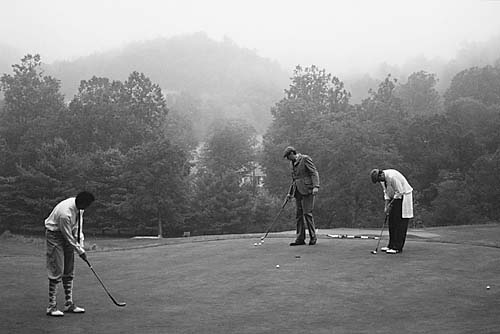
(374, 252)
(123, 304)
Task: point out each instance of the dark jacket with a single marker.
(305, 175)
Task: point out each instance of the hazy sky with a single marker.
(346, 34)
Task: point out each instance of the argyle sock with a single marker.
(52, 293)
(68, 291)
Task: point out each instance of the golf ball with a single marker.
(259, 243)
(277, 266)
(255, 244)
(487, 287)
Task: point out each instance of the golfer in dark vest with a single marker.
(398, 196)
(304, 187)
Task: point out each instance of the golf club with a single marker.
(276, 218)
(380, 237)
(382, 230)
(120, 304)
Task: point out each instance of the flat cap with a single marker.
(374, 175)
(288, 150)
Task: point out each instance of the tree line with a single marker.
(447, 146)
(134, 146)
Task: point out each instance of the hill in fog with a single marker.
(470, 54)
(230, 81)
(227, 80)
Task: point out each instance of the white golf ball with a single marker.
(255, 244)
(487, 287)
(259, 243)
(277, 266)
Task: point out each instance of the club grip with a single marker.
(87, 261)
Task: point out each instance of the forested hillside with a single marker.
(478, 54)
(158, 165)
(448, 146)
(227, 80)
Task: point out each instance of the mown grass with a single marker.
(227, 285)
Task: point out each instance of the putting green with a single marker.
(232, 286)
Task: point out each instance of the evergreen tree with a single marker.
(223, 203)
(154, 177)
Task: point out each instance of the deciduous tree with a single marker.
(32, 106)
(419, 95)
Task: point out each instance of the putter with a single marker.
(117, 303)
(382, 230)
(275, 219)
(380, 237)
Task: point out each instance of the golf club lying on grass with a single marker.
(382, 230)
(120, 304)
(276, 218)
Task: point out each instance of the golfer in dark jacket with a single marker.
(304, 187)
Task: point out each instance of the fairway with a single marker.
(232, 286)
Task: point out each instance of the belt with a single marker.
(55, 232)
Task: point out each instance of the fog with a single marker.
(342, 36)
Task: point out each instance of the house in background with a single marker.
(254, 177)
